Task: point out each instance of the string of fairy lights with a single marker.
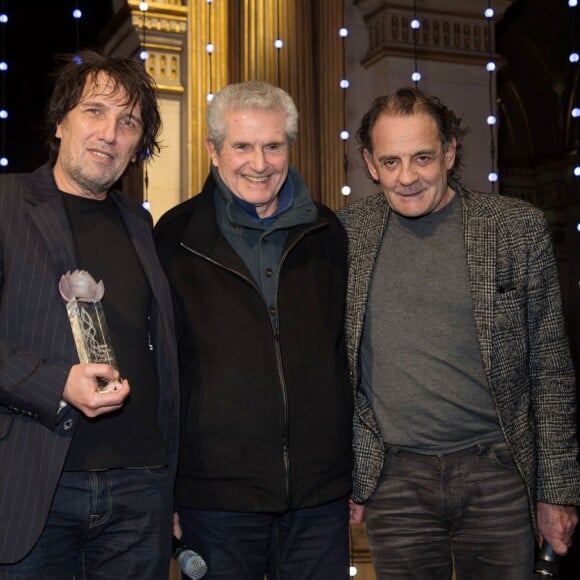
(144, 55)
(278, 42)
(415, 25)
(3, 69)
(573, 58)
(491, 120)
(344, 84)
(209, 50)
(76, 14)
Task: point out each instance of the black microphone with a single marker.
(546, 563)
(190, 562)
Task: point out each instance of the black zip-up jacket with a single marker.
(266, 418)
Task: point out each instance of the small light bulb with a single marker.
(146, 205)
(77, 13)
(344, 135)
(344, 84)
(490, 66)
(345, 190)
(352, 571)
(209, 97)
(143, 6)
(343, 32)
(3, 161)
(3, 18)
(415, 24)
(573, 57)
(489, 13)
(572, 3)
(209, 48)
(3, 114)
(278, 43)
(577, 171)
(576, 112)
(491, 120)
(492, 177)
(3, 66)
(143, 55)
(416, 77)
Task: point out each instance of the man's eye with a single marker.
(273, 148)
(129, 122)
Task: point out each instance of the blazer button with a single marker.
(67, 424)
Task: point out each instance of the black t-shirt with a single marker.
(129, 437)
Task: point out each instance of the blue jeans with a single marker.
(111, 524)
(304, 544)
(466, 511)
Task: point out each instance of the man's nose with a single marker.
(407, 173)
(258, 160)
(108, 130)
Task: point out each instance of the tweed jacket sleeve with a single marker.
(523, 342)
(364, 221)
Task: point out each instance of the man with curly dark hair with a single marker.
(464, 432)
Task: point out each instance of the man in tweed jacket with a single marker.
(464, 430)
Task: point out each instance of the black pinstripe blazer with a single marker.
(37, 348)
(521, 333)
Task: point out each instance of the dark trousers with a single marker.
(466, 511)
(106, 525)
(303, 544)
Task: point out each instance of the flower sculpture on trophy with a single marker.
(89, 327)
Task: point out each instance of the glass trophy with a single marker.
(87, 319)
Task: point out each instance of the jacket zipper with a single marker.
(276, 336)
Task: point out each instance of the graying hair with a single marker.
(249, 95)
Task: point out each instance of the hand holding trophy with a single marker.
(87, 318)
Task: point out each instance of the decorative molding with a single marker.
(168, 22)
(164, 66)
(445, 35)
(164, 28)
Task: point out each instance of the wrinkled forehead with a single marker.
(102, 85)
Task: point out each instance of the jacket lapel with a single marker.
(480, 245)
(365, 235)
(139, 230)
(48, 213)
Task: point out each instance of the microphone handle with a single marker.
(546, 563)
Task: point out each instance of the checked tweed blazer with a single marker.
(521, 333)
(37, 348)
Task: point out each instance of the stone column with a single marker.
(161, 31)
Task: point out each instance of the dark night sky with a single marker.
(34, 34)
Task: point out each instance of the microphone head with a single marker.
(192, 564)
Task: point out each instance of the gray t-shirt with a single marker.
(420, 359)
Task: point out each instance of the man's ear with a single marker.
(450, 153)
(370, 164)
(213, 152)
